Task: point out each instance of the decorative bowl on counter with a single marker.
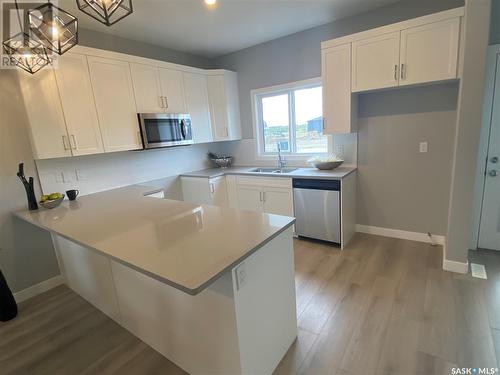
(223, 162)
(326, 163)
(52, 203)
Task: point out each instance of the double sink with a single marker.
(273, 170)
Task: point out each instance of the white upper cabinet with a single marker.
(114, 98)
(337, 98)
(172, 88)
(375, 62)
(198, 106)
(73, 81)
(147, 89)
(430, 52)
(48, 134)
(224, 106)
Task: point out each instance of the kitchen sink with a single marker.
(273, 170)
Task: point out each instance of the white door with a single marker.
(249, 198)
(198, 107)
(218, 191)
(172, 87)
(375, 62)
(73, 80)
(147, 89)
(47, 127)
(430, 52)
(218, 112)
(278, 201)
(336, 75)
(114, 98)
(489, 232)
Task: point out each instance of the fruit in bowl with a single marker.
(51, 200)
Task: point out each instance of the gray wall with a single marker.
(297, 56)
(392, 123)
(26, 253)
(495, 22)
(398, 187)
(96, 39)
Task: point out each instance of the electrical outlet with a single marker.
(423, 147)
(241, 276)
(81, 175)
(339, 150)
(66, 177)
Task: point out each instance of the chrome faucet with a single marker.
(281, 159)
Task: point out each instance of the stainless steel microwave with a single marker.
(165, 129)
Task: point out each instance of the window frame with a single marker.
(258, 123)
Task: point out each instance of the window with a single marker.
(290, 116)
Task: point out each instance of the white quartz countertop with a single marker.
(336, 174)
(182, 244)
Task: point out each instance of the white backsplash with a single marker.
(94, 173)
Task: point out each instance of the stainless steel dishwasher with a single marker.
(317, 208)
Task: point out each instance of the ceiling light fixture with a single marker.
(107, 12)
(210, 2)
(56, 28)
(26, 53)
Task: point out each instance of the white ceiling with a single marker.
(190, 26)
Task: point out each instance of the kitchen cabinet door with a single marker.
(198, 107)
(278, 201)
(73, 81)
(196, 190)
(337, 97)
(375, 62)
(218, 191)
(430, 52)
(218, 110)
(172, 88)
(249, 198)
(48, 132)
(147, 89)
(114, 98)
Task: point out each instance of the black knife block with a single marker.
(29, 187)
(8, 306)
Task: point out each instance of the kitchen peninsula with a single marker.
(210, 288)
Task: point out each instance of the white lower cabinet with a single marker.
(203, 190)
(269, 195)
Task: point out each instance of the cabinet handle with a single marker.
(263, 196)
(212, 188)
(160, 99)
(73, 144)
(64, 138)
(396, 72)
(166, 102)
(403, 71)
(227, 132)
(260, 196)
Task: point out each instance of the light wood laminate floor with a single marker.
(382, 306)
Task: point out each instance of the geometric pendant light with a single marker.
(107, 12)
(26, 52)
(54, 27)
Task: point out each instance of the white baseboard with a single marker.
(37, 289)
(402, 234)
(458, 267)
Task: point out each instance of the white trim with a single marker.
(39, 288)
(257, 131)
(414, 22)
(491, 67)
(457, 267)
(402, 234)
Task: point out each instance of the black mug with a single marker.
(72, 194)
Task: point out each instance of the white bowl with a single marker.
(328, 165)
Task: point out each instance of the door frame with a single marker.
(480, 178)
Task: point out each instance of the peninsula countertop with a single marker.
(185, 245)
(336, 174)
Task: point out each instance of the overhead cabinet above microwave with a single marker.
(418, 51)
(88, 103)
